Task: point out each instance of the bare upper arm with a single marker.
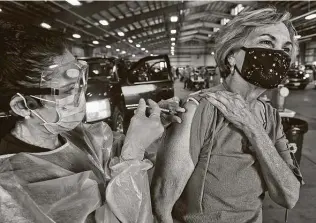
(174, 165)
(175, 150)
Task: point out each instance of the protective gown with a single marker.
(82, 181)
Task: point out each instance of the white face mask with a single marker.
(69, 117)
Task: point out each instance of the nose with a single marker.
(278, 46)
(280, 42)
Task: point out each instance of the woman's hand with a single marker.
(172, 104)
(143, 131)
(234, 108)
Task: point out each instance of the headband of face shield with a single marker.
(61, 85)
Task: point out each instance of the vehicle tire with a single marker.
(302, 87)
(118, 123)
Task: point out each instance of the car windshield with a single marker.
(102, 70)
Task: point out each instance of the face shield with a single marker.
(63, 85)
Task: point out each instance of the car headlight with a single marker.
(98, 110)
(306, 76)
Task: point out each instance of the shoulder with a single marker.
(198, 95)
(273, 119)
(271, 112)
(198, 104)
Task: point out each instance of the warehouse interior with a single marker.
(139, 28)
(183, 30)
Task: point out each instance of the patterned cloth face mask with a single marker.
(265, 68)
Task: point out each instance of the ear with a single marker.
(18, 107)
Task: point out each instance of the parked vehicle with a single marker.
(297, 79)
(198, 69)
(196, 82)
(211, 70)
(114, 90)
(311, 70)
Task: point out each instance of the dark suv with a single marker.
(297, 79)
(211, 70)
(115, 87)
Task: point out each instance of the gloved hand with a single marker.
(142, 131)
(171, 104)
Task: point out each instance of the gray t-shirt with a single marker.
(227, 184)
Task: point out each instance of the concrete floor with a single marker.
(303, 102)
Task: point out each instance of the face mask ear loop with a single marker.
(38, 116)
(235, 66)
(33, 112)
(42, 99)
(236, 69)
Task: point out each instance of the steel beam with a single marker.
(200, 15)
(148, 38)
(86, 10)
(139, 31)
(199, 25)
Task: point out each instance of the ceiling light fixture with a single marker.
(104, 22)
(137, 45)
(146, 51)
(297, 36)
(151, 54)
(173, 39)
(133, 55)
(108, 46)
(212, 53)
(75, 35)
(120, 33)
(118, 50)
(235, 11)
(131, 41)
(174, 18)
(45, 25)
(311, 16)
(215, 29)
(143, 49)
(173, 31)
(123, 52)
(172, 44)
(74, 2)
(95, 42)
(224, 21)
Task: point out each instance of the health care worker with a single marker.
(54, 168)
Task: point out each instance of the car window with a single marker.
(152, 70)
(309, 67)
(159, 71)
(102, 70)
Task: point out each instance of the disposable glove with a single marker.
(142, 131)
